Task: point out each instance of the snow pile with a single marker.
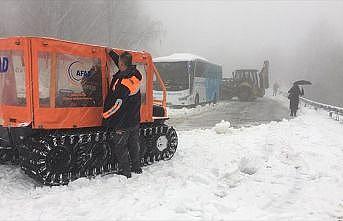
(222, 128)
(291, 170)
(248, 165)
(187, 112)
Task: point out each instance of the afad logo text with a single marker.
(3, 64)
(76, 72)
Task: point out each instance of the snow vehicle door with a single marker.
(68, 83)
(15, 86)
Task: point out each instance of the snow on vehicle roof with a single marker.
(179, 57)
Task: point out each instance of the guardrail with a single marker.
(334, 112)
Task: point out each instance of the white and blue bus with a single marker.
(189, 79)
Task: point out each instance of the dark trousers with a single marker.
(126, 146)
(293, 106)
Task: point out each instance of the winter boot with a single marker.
(125, 170)
(125, 173)
(137, 170)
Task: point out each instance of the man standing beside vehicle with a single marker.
(122, 112)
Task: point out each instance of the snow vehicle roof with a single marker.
(179, 57)
(73, 42)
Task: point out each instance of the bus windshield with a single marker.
(174, 74)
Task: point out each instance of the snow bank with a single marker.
(248, 165)
(187, 112)
(290, 170)
(222, 128)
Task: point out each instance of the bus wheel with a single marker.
(196, 101)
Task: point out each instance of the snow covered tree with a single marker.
(115, 23)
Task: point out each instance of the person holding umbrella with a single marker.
(293, 95)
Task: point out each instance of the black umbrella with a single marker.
(302, 82)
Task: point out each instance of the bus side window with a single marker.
(201, 70)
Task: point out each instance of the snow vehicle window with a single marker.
(156, 83)
(78, 81)
(113, 69)
(142, 69)
(44, 68)
(174, 74)
(12, 78)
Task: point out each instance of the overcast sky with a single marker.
(301, 39)
(242, 33)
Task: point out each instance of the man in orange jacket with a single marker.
(122, 112)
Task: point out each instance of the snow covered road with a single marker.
(288, 170)
(263, 110)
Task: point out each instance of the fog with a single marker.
(116, 23)
(302, 40)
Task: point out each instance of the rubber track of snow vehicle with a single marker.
(8, 155)
(61, 157)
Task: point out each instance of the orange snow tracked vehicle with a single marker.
(51, 104)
